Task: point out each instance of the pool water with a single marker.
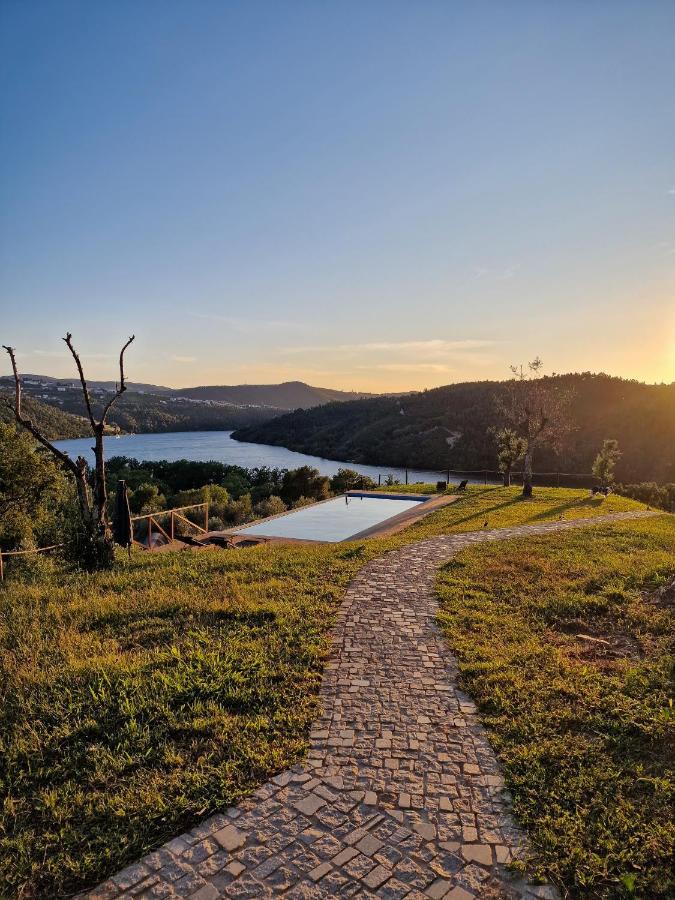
(335, 520)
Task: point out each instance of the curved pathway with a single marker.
(400, 794)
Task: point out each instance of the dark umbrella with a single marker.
(122, 516)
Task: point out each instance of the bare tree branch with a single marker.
(27, 423)
(122, 386)
(85, 390)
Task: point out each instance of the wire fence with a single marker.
(494, 476)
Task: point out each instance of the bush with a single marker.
(349, 479)
(35, 493)
(304, 482)
(270, 507)
(301, 501)
(660, 495)
(239, 511)
(146, 499)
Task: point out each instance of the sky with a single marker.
(358, 194)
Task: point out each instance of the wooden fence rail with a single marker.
(173, 514)
(5, 553)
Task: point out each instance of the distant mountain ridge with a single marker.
(449, 427)
(287, 395)
(147, 408)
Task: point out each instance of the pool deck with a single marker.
(428, 503)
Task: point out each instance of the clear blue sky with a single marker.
(374, 195)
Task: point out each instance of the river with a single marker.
(203, 446)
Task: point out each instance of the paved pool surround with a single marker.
(353, 516)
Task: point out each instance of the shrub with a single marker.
(270, 507)
(349, 479)
(305, 482)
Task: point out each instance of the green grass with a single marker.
(134, 703)
(503, 507)
(582, 733)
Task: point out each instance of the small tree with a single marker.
(510, 448)
(605, 461)
(537, 409)
(97, 549)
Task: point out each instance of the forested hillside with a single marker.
(53, 423)
(144, 413)
(288, 395)
(149, 408)
(450, 427)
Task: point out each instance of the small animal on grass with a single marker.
(485, 524)
(598, 489)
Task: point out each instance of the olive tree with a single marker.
(605, 461)
(537, 409)
(510, 448)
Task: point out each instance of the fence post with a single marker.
(206, 517)
(2, 571)
(150, 533)
(406, 474)
(379, 478)
(172, 525)
(486, 475)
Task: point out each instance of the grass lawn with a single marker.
(136, 702)
(583, 729)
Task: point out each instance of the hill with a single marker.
(449, 427)
(153, 408)
(53, 423)
(288, 395)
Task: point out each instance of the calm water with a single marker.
(335, 520)
(203, 446)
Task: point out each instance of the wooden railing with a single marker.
(4, 553)
(151, 518)
(174, 515)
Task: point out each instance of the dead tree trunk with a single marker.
(95, 548)
(527, 473)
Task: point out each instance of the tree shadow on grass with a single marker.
(559, 511)
(486, 511)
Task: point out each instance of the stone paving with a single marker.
(400, 794)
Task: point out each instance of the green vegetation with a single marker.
(36, 499)
(449, 427)
(661, 496)
(569, 655)
(146, 413)
(498, 507)
(53, 423)
(133, 703)
(149, 408)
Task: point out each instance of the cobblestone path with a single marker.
(400, 794)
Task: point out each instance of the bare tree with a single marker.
(97, 551)
(537, 409)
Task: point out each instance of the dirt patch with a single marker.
(663, 596)
(599, 644)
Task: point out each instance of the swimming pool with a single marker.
(334, 520)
